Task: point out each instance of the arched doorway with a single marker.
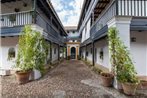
(73, 53)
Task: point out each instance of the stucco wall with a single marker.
(102, 45)
(139, 52)
(54, 54)
(6, 43)
(89, 57)
(83, 52)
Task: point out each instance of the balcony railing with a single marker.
(15, 19)
(103, 19)
(50, 30)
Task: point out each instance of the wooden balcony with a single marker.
(103, 18)
(50, 31)
(16, 19)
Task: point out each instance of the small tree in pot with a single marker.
(31, 55)
(122, 63)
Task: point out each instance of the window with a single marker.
(11, 53)
(54, 50)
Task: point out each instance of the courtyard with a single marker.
(70, 79)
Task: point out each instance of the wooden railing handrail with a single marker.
(16, 13)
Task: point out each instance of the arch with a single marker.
(73, 53)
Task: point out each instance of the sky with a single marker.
(68, 11)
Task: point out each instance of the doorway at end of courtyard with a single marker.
(73, 50)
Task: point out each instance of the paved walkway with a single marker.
(70, 79)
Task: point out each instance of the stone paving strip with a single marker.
(70, 79)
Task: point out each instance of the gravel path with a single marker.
(70, 79)
(62, 82)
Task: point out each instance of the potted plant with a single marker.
(107, 79)
(123, 67)
(143, 84)
(31, 55)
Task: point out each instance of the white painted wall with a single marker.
(102, 44)
(6, 43)
(9, 7)
(123, 26)
(75, 34)
(83, 35)
(54, 55)
(139, 52)
(83, 52)
(88, 29)
(89, 57)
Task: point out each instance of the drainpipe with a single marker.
(93, 59)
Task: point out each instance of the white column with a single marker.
(123, 26)
(146, 54)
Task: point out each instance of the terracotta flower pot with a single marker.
(22, 77)
(129, 88)
(142, 85)
(107, 79)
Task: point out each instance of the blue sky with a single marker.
(68, 11)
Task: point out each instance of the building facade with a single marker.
(42, 17)
(130, 19)
(73, 42)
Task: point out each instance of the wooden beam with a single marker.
(99, 8)
(104, 2)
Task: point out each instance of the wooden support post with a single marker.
(93, 52)
(58, 52)
(50, 52)
(86, 53)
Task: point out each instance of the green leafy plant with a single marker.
(33, 50)
(121, 61)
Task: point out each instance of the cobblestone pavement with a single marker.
(70, 79)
